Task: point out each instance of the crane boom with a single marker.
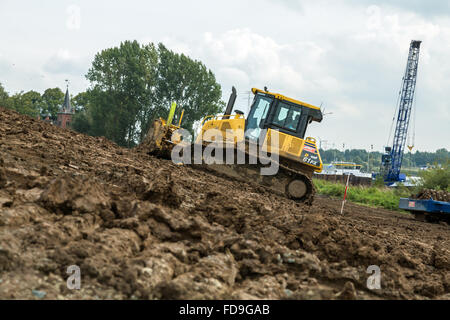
(392, 159)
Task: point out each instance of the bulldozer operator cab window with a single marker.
(257, 115)
(286, 116)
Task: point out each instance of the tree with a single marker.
(133, 84)
(27, 103)
(437, 178)
(121, 81)
(81, 101)
(189, 83)
(3, 96)
(442, 156)
(52, 99)
(82, 120)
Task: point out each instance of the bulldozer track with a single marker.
(308, 199)
(285, 182)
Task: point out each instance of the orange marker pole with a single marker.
(345, 194)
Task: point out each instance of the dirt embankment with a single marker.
(438, 195)
(141, 227)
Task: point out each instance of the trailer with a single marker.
(427, 210)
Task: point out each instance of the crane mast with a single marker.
(393, 157)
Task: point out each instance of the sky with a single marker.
(348, 57)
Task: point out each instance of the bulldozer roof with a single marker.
(281, 97)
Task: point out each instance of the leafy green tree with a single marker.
(82, 120)
(442, 156)
(189, 83)
(3, 96)
(437, 178)
(133, 84)
(81, 101)
(51, 102)
(121, 81)
(27, 103)
(426, 158)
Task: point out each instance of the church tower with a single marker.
(65, 112)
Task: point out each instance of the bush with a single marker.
(379, 181)
(437, 178)
(81, 122)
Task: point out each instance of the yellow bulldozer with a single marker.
(272, 135)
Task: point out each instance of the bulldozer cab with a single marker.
(277, 112)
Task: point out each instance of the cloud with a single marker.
(64, 62)
(356, 76)
(73, 21)
(430, 8)
(427, 9)
(291, 4)
(231, 75)
(251, 59)
(5, 66)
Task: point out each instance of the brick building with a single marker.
(65, 112)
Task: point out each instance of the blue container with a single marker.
(430, 206)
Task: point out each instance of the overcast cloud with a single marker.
(348, 56)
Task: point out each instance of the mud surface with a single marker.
(144, 228)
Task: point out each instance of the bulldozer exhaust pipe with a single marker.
(231, 102)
